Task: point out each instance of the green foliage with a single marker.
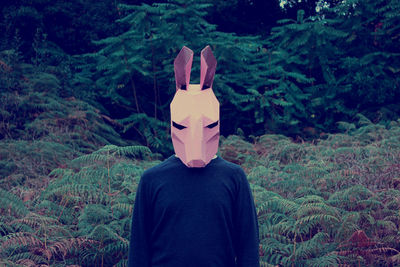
(33, 104)
(326, 203)
(11, 204)
(40, 127)
(10, 68)
(373, 55)
(50, 130)
(82, 217)
(121, 65)
(65, 23)
(296, 232)
(236, 150)
(335, 65)
(303, 53)
(154, 133)
(309, 73)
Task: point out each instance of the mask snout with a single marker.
(195, 147)
(196, 163)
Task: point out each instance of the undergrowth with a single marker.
(331, 202)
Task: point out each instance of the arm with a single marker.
(139, 246)
(246, 223)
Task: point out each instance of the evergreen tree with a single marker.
(371, 63)
(307, 53)
(135, 69)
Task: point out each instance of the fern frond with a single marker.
(125, 208)
(307, 223)
(19, 258)
(93, 158)
(89, 193)
(307, 249)
(10, 203)
(125, 151)
(325, 261)
(22, 239)
(66, 246)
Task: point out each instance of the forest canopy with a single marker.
(296, 73)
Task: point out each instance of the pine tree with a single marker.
(305, 50)
(371, 63)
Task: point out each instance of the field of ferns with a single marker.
(334, 201)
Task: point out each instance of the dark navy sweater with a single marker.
(194, 217)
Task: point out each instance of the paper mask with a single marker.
(195, 110)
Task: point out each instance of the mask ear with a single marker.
(182, 67)
(208, 64)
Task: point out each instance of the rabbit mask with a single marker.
(195, 110)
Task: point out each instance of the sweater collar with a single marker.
(214, 159)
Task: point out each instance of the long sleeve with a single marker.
(139, 247)
(246, 225)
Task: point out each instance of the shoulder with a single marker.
(166, 167)
(236, 177)
(234, 170)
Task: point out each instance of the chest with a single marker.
(191, 196)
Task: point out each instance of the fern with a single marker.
(336, 187)
(11, 204)
(289, 234)
(97, 196)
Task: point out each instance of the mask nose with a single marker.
(195, 145)
(196, 163)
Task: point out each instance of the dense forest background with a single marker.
(310, 105)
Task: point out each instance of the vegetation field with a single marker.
(331, 202)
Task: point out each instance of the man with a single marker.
(194, 209)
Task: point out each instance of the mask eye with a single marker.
(178, 126)
(212, 125)
(205, 86)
